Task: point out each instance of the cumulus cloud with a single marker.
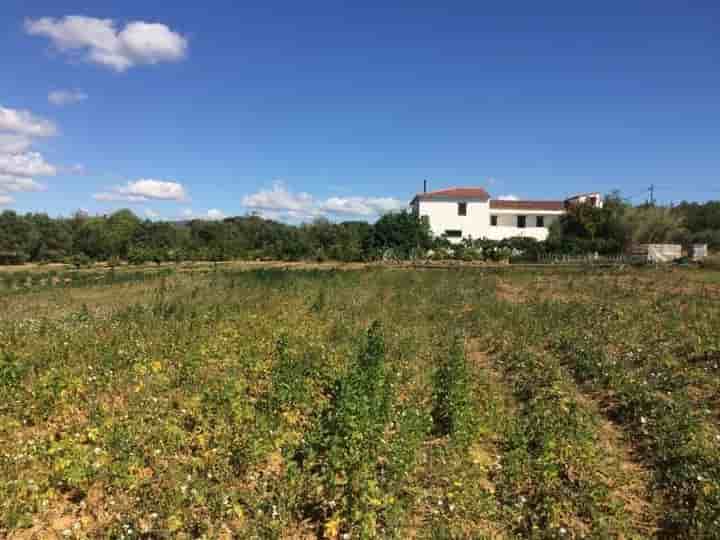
(14, 144)
(22, 122)
(151, 214)
(99, 40)
(279, 198)
(13, 184)
(144, 190)
(508, 197)
(18, 164)
(66, 97)
(280, 203)
(25, 165)
(361, 206)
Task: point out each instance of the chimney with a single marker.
(424, 186)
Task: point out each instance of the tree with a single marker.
(702, 221)
(16, 235)
(655, 225)
(121, 227)
(401, 231)
(586, 229)
(52, 239)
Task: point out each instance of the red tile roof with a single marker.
(549, 206)
(476, 193)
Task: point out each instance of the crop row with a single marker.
(650, 364)
(648, 392)
(262, 404)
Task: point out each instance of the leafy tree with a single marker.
(401, 231)
(16, 236)
(702, 222)
(92, 239)
(120, 230)
(51, 239)
(585, 228)
(655, 224)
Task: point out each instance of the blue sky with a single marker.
(297, 110)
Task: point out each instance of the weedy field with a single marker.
(375, 403)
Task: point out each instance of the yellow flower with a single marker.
(332, 527)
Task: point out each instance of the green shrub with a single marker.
(453, 412)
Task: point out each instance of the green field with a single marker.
(362, 403)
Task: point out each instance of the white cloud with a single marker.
(279, 198)
(25, 165)
(18, 165)
(14, 184)
(508, 197)
(25, 123)
(14, 144)
(6, 199)
(280, 203)
(151, 214)
(145, 189)
(102, 43)
(215, 214)
(211, 215)
(66, 97)
(361, 206)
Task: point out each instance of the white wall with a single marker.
(443, 216)
(507, 224)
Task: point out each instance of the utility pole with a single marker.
(652, 194)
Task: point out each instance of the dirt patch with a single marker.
(67, 519)
(509, 293)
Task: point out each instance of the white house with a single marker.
(470, 212)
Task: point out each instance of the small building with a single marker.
(594, 199)
(471, 212)
(657, 253)
(698, 252)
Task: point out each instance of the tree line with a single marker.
(122, 236)
(618, 225)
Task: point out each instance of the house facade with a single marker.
(458, 213)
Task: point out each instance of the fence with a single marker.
(591, 259)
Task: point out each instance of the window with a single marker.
(453, 233)
(462, 209)
(540, 221)
(521, 221)
(493, 221)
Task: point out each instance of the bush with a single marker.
(346, 447)
(452, 398)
